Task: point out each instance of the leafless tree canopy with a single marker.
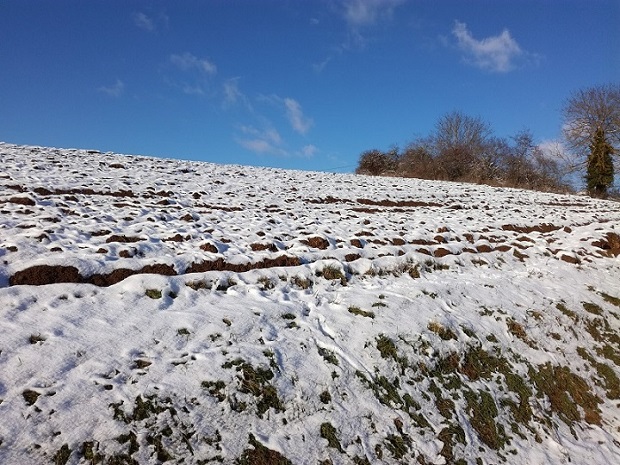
(590, 109)
(463, 148)
(456, 130)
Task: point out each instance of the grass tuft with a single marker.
(61, 457)
(331, 434)
(358, 311)
(592, 308)
(153, 293)
(328, 356)
(611, 299)
(444, 333)
(261, 455)
(566, 391)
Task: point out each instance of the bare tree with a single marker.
(589, 110)
(591, 120)
(375, 162)
(457, 130)
(417, 161)
(460, 142)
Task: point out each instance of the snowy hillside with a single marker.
(159, 311)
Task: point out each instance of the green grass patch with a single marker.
(358, 311)
(331, 434)
(569, 313)
(328, 356)
(36, 338)
(215, 389)
(444, 333)
(386, 347)
(566, 391)
(153, 293)
(255, 381)
(610, 382)
(592, 308)
(261, 455)
(611, 299)
(483, 412)
(325, 397)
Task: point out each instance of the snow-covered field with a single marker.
(159, 310)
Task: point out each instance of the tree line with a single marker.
(463, 148)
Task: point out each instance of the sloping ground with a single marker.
(157, 310)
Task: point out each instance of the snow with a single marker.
(470, 259)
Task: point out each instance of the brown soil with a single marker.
(570, 259)
(316, 242)
(329, 199)
(221, 265)
(175, 238)
(84, 191)
(45, 274)
(208, 247)
(610, 243)
(401, 203)
(222, 208)
(541, 228)
(22, 201)
(441, 252)
(123, 239)
(356, 243)
(257, 247)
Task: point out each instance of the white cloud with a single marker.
(143, 21)
(495, 53)
(193, 90)
(309, 150)
(115, 90)
(150, 23)
(264, 142)
(257, 145)
(295, 115)
(554, 150)
(269, 134)
(233, 95)
(187, 62)
(360, 16)
(318, 67)
(293, 112)
(358, 13)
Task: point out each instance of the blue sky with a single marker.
(294, 84)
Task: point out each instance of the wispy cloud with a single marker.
(495, 53)
(143, 21)
(272, 114)
(188, 62)
(150, 23)
(359, 13)
(263, 142)
(115, 90)
(233, 94)
(360, 16)
(190, 89)
(309, 151)
(320, 66)
(555, 150)
(292, 110)
(296, 117)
